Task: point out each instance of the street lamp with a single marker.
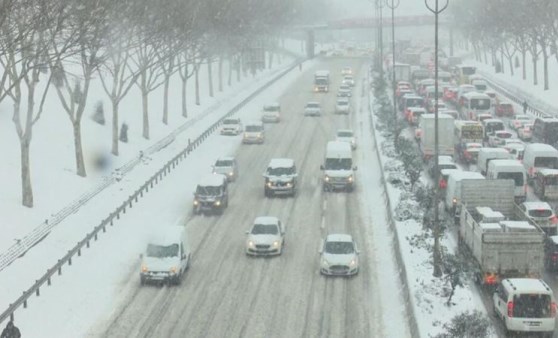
(379, 40)
(437, 229)
(394, 4)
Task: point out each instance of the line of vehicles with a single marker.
(509, 234)
(167, 255)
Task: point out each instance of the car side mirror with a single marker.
(322, 167)
(355, 167)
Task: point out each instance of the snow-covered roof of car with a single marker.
(515, 145)
(517, 226)
(416, 109)
(281, 163)
(445, 159)
(166, 235)
(507, 163)
(254, 123)
(473, 145)
(232, 119)
(448, 171)
(343, 99)
(312, 103)
(413, 97)
(339, 131)
(522, 117)
(534, 205)
(541, 147)
(225, 158)
(527, 285)
(339, 238)
(548, 171)
(493, 150)
(476, 95)
(266, 220)
(554, 239)
(272, 104)
(440, 116)
(465, 86)
(502, 132)
(466, 175)
(212, 180)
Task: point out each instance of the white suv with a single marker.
(231, 126)
(525, 305)
(339, 256)
(266, 237)
(280, 177)
(271, 113)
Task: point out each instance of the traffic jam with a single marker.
(498, 183)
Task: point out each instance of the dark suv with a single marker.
(280, 177)
(212, 195)
(551, 253)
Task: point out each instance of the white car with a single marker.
(540, 213)
(516, 150)
(254, 133)
(525, 133)
(312, 109)
(347, 71)
(226, 166)
(498, 137)
(231, 126)
(339, 256)
(271, 113)
(346, 135)
(266, 237)
(344, 91)
(519, 120)
(342, 106)
(349, 80)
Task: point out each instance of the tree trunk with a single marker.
(502, 61)
(166, 99)
(238, 66)
(80, 165)
(270, 60)
(197, 83)
(510, 59)
(114, 126)
(145, 109)
(184, 106)
(535, 78)
(210, 77)
(523, 56)
(229, 81)
(220, 69)
(26, 188)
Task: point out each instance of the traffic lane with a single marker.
(218, 287)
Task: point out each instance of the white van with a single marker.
(525, 305)
(539, 155)
(488, 154)
(510, 170)
(338, 167)
(453, 190)
(167, 256)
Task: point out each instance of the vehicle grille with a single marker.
(339, 268)
(262, 246)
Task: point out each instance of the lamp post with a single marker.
(393, 4)
(437, 229)
(380, 44)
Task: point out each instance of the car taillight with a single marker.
(554, 219)
(553, 309)
(510, 309)
(531, 171)
(443, 184)
(467, 154)
(555, 257)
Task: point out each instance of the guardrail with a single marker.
(514, 96)
(56, 269)
(42, 230)
(397, 250)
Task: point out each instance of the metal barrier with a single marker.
(56, 269)
(397, 250)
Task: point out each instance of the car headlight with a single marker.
(325, 263)
(144, 268)
(245, 135)
(260, 135)
(231, 173)
(353, 263)
(196, 202)
(250, 244)
(217, 203)
(269, 184)
(276, 244)
(326, 178)
(350, 178)
(289, 184)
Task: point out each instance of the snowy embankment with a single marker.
(427, 294)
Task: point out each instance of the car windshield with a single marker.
(414, 102)
(252, 128)
(280, 171)
(516, 177)
(546, 162)
(224, 163)
(531, 306)
(342, 103)
(551, 180)
(480, 104)
(339, 248)
(271, 108)
(312, 105)
(208, 190)
(345, 134)
(230, 122)
(264, 229)
(160, 251)
(338, 164)
(540, 213)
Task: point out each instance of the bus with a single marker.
(473, 104)
(463, 73)
(545, 130)
(468, 132)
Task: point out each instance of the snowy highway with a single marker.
(226, 293)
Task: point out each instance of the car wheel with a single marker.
(266, 193)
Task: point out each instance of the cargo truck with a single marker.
(496, 234)
(445, 135)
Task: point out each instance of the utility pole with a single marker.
(393, 6)
(437, 231)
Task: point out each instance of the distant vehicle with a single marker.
(538, 156)
(339, 256)
(444, 162)
(511, 169)
(483, 116)
(280, 177)
(433, 103)
(226, 166)
(413, 115)
(468, 132)
(525, 133)
(519, 120)
(254, 133)
(347, 71)
(488, 154)
(346, 135)
(231, 126)
(551, 253)
(504, 109)
(473, 104)
(166, 257)
(265, 237)
(348, 80)
(470, 152)
(312, 109)
(498, 137)
(516, 150)
(446, 144)
(321, 81)
(526, 305)
(463, 73)
(271, 113)
(545, 130)
(402, 72)
(211, 195)
(545, 184)
(480, 85)
(344, 91)
(338, 167)
(542, 214)
(342, 106)
(491, 126)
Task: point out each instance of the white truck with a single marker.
(445, 135)
(501, 240)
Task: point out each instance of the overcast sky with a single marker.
(365, 8)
